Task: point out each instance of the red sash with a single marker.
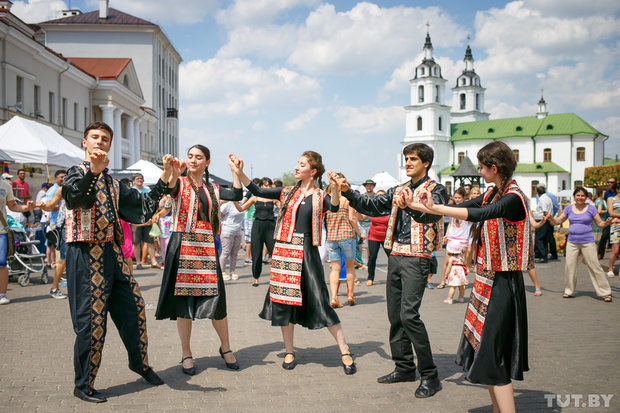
(286, 263)
(197, 273)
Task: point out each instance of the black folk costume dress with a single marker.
(98, 277)
(192, 285)
(297, 290)
(493, 347)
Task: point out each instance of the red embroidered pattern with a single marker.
(284, 230)
(286, 264)
(197, 273)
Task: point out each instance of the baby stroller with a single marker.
(26, 259)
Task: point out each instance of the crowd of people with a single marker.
(194, 230)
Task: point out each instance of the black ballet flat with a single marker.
(189, 371)
(351, 368)
(232, 366)
(291, 365)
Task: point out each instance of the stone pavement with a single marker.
(572, 343)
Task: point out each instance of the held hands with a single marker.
(340, 183)
(168, 160)
(404, 198)
(29, 206)
(333, 180)
(98, 161)
(236, 164)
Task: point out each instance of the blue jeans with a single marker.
(347, 246)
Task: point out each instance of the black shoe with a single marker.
(189, 371)
(291, 365)
(255, 282)
(428, 387)
(396, 377)
(554, 258)
(232, 366)
(351, 368)
(149, 376)
(96, 397)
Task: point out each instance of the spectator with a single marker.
(544, 207)
(232, 233)
(8, 178)
(143, 244)
(613, 209)
(581, 241)
(59, 179)
(602, 244)
(376, 237)
(21, 189)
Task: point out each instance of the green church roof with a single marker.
(525, 127)
(522, 168)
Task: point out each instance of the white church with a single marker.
(550, 149)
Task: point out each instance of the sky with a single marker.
(268, 79)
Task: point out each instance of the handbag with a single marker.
(10, 237)
(53, 237)
(155, 232)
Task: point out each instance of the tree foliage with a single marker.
(288, 179)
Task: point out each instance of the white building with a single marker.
(110, 33)
(551, 149)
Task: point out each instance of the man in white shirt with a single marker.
(543, 207)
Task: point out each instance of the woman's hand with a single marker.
(426, 199)
(333, 179)
(167, 160)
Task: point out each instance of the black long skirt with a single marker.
(315, 311)
(182, 306)
(502, 354)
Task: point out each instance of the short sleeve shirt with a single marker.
(580, 228)
(6, 195)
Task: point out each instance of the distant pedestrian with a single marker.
(455, 272)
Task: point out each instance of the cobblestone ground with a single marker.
(572, 343)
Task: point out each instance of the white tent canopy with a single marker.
(149, 170)
(384, 181)
(28, 141)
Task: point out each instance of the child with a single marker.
(455, 272)
(432, 272)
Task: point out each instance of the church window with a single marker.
(563, 184)
(461, 156)
(518, 128)
(516, 152)
(534, 186)
(422, 71)
(547, 155)
(549, 127)
(491, 130)
(462, 101)
(440, 124)
(437, 93)
(448, 186)
(126, 81)
(477, 101)
(465, 132)
(581, 153)
(577, 183)
(419, 122)
(463, 81)
(420, 94)
(435, 71)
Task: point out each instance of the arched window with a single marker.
(477, 101)
(534, 186)
(460, 157)
(516, 152)
(463, 81)
(419, 122)
(422, 71)
(547, 155)
(462, 101)
(420, 94)
(440, 123)
(448, 186)
(563, 184)
(436, 93)
(435, 71)
(581, 153)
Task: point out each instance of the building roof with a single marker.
(466, 169)
(525, 127)
(105, 68)
(115, 17)
(522, 168)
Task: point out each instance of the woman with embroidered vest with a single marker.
(341, 228)
(192, 285)
(493, 347)
(297, 292)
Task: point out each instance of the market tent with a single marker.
(384, 181)
(149, 170)
(27, 141)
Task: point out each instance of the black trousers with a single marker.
(406, 282)
(98, 281)
(542, 240)
(373, 253)
(602, 244)
(262, 234)
(551, 241)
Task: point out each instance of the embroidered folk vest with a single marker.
(505, 245)
(100, 222)
(285, 228)
(425, 238)
(185, 209)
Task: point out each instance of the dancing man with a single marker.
(412, 236)
(98, 277)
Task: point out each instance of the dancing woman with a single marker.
(493, 347)
(192, 285)
(297, 292)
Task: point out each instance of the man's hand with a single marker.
(98, 161)
(29, 206)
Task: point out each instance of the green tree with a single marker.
(288, 179)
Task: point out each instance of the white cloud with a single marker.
(232, 86)
(573, 8)
(258, 12)
(366, 120)
(610, 126)
(302, 120)
(35, 11)
(365, 39)
(160, 11)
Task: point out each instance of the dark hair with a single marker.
(58, 172)
(424, 152)
(600, 191)
(215, 207)
(461, 191)
(499, 154)
(315, 160)
(277, 182)
(99, 125)
(256, 181)
(266, 181)
(137, 175)
(580, 189)
(126, 182)
(541, 190)
(20, 170)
